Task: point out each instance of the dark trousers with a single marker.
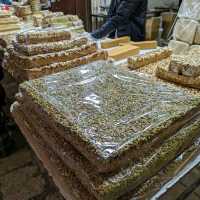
(6, 142)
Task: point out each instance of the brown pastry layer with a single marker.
(34, 73)
(26, 62)
(66, 181)
(28, 74)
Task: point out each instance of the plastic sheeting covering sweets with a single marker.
(190, 9)
(113, 114)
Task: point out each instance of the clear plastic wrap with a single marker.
(190, 9)
(77, 31)
(185, 30)
(113, 115)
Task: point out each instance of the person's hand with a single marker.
(91, 37)
(96, 35)
(102, 32)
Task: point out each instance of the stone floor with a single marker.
(22, 179)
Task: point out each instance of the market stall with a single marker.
(109, 119)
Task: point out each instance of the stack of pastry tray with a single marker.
(102, 132)
(40, 52)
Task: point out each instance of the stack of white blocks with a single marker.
(186, 36)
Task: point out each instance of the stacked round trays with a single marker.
(35, 6)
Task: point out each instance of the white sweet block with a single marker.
(187, 65)
(197, 36)
(190, 9)
(194, 49)
(191, 66)
(178, 47)
(185, 30)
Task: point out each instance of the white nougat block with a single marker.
(190, 9)
(178, 47)
(185, 30)
(176, 63)
(197, 36)
(194, 50)
(191, 66)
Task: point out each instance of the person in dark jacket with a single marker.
(125, 18)
(6, 2)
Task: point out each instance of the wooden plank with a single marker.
(143, 45)
(192, 196)
(106, 44)
(123, 52)
(173, 193)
